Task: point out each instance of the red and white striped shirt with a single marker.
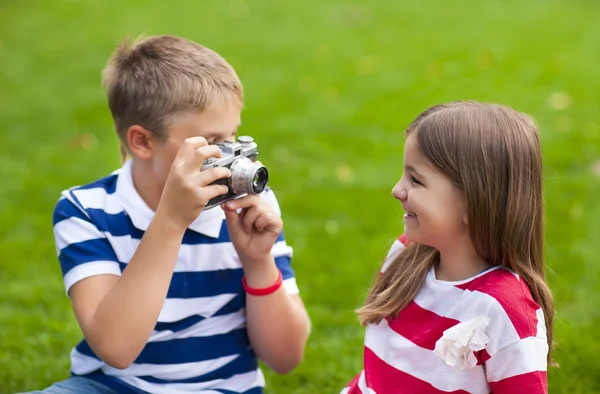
(399, 354)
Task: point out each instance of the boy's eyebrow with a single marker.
(210, 133)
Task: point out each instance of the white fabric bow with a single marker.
(457, 344)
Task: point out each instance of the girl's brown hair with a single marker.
(492, 153)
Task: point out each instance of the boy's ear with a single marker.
(140, 142)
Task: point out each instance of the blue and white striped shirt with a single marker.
(200, 342)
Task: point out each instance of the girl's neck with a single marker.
(459, 263)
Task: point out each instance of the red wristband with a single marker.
(264, 291)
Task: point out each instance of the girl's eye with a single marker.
(415, 180)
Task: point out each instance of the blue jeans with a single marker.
(75, 385)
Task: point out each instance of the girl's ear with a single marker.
(465, 219)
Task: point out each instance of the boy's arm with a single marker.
(278, 324)
(118, 315)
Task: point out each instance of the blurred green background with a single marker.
(330, 86)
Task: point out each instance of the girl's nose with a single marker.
(399, 192)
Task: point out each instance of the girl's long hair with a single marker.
(492, 153)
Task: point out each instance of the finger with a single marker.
(213, 191)
(250, 217)
(233, 221)
(227, 207)
(241, 216)
(245, 202)
(211, 175)
(187, 149)
(268, 221)
(190, 145)
(205, 152)
(194, 142)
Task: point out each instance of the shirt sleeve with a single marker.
(282, 252)
(397, 247)
(83, 250)
(519, 368)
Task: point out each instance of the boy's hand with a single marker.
(254, 230)
(187, 189)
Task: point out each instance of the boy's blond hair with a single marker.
(151, 79)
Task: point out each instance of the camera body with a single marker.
(248, 176)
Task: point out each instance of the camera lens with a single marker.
(248, 176)
(261, 177)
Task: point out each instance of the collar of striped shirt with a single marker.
(208, 223)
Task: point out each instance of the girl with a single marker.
(461, 305)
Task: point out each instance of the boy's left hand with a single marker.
(254, 230)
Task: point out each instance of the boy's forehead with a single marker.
(216, 117)
(199, 127)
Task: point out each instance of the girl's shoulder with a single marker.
(512, 309)
(503, 286)
(397, 247)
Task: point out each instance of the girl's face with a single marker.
(435, 207)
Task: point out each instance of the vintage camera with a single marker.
(248, 176)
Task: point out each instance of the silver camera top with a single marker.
(244, 147)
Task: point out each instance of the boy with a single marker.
(171, 298)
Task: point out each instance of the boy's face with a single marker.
(218, 122)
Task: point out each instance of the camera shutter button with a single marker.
(244, 139)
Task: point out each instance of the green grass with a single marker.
(330, 85)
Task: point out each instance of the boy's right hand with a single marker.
(187, 190)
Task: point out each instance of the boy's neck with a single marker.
(459, 262)
(145, 185)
